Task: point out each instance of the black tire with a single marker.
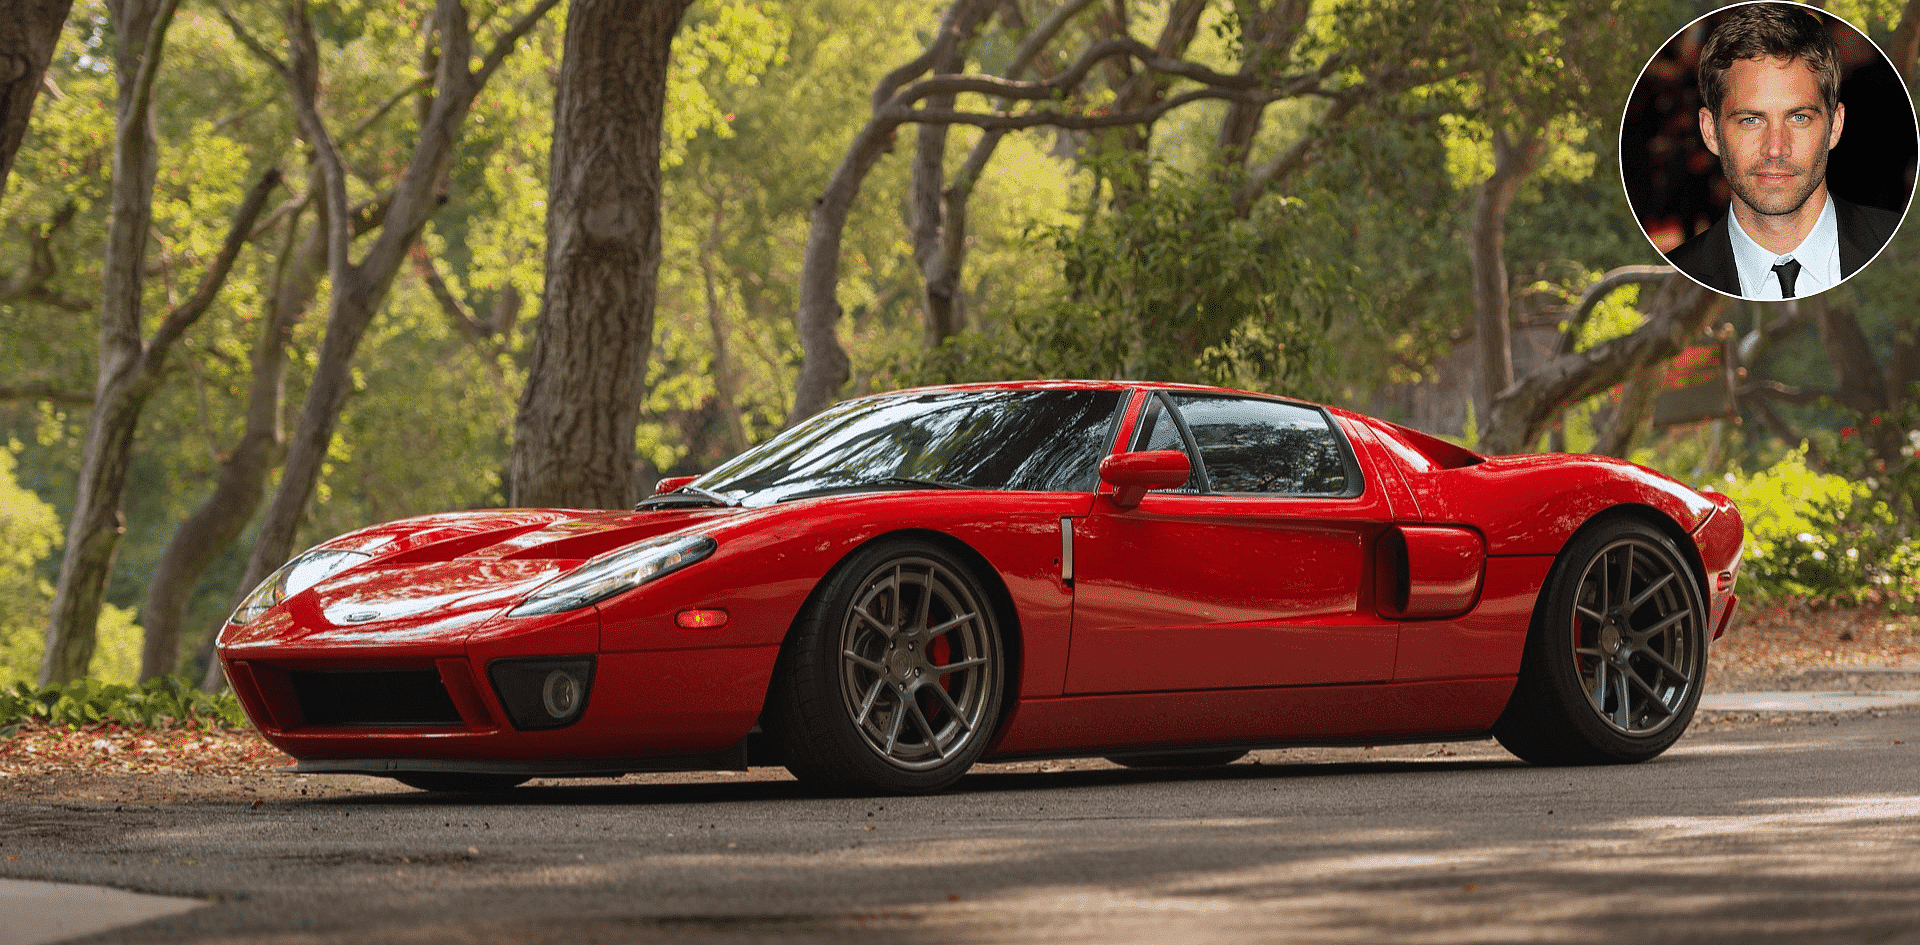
(1617, 655)
(893, 680)
(453, 782)
(1191, 759)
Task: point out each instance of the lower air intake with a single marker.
(381, 697)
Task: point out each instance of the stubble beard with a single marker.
(1774, 203)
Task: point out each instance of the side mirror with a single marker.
(671, 483)
(1132, 474)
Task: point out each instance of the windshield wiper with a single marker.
(910, 481)
(686, 496)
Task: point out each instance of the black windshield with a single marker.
(1043, 440)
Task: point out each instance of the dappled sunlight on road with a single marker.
(1892, 816)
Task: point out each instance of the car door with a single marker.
(1254, 573)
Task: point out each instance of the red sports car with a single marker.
(910, 583)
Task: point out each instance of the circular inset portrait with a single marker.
(1768, 150)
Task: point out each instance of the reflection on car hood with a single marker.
(417, 602)
(439, 575)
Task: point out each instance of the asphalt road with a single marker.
(1805, 832)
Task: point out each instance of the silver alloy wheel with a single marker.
(919, 663)
(1635, 620)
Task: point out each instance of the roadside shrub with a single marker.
(166, 700)
(1824, 539)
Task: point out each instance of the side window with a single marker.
(1265, 447)
(1158, 430)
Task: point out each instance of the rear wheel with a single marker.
(450, 782)
(893, 679)
(1617, 655)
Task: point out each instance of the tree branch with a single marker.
(1286, 163)
(45, 391)
(1004, 121)
(1018, 90)
(1785, 393)
(1779, 427)
(419, 84)
(943, 43)
(1522, 412)
(463, 320)
(504, 45)
(181, 318)
(253, 43)
(42, 264)
(1598, 292)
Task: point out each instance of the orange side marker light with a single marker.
(700, 619)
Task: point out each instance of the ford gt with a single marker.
(910, 583)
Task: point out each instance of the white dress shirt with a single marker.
(1818, 254)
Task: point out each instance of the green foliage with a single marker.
(28, 533)
(1178, 286)
(1824, 538)
(720, 46)
(166, 700)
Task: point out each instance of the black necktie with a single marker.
(1787, 271)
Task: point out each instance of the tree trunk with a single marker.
(1865, 388)
(943, 305)
(1268, 30)
(360, 288)
(726, 371)
(241, 484)
(1634, 417)
(94, 528)
(824, 366)
(29, 31)
(940, 243)
(131, 371)
(1512, 162)
(1905, 45)
(1129, 146)
(943, 308)
(573, 437)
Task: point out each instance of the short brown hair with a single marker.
(1769, 31)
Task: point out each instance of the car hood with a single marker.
(437, 577)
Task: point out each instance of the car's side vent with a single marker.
(1436, 453)
(379, 697)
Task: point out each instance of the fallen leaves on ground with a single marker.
(116, 747)
(1766, 648)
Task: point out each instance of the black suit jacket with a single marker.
(1708, 257)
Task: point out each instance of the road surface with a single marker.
(1807, 831)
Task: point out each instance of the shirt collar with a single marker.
(1818, 254)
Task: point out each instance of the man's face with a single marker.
(1773, 134)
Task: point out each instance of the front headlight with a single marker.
(615, 572)
(293, 577)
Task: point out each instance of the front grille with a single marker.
(380, 697)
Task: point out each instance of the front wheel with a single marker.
(1617, 655)
(893, 679)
